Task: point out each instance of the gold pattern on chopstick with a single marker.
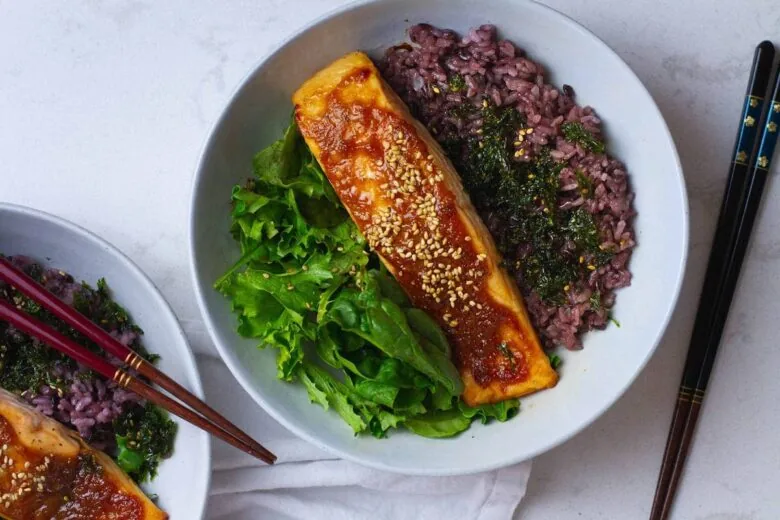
(754, 101)
(685, 393)
(763, 162)
(771, 127)
(121, 378)
(750, 121)
(133, 360)
(742, 157)
(776, 106)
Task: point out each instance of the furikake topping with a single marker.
(576, 133)
(521, 192)
(144, 436)
(456, 83)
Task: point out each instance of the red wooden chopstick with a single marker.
(29, 287)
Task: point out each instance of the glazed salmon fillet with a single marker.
(407, 199)
(47, 472)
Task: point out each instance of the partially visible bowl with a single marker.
(593, 379)
(183, 480)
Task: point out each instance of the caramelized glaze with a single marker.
(406, 198)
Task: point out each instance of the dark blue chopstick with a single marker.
(720, 278)
(758, 178)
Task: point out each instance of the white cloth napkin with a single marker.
(309, 484)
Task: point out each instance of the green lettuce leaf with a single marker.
(439, 424)
(502, 411)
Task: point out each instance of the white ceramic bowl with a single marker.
(183, 480)
(592, 379)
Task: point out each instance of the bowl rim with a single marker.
(166, 312)
(258, 398)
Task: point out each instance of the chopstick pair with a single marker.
(200, 415)
(741, 201)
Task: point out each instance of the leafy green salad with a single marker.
(307, 285)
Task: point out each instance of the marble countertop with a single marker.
(104, 107)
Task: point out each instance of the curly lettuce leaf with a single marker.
(447, 423)
(439, 424)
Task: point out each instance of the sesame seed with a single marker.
(266, 276)
(592, 267)
(436, 90)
